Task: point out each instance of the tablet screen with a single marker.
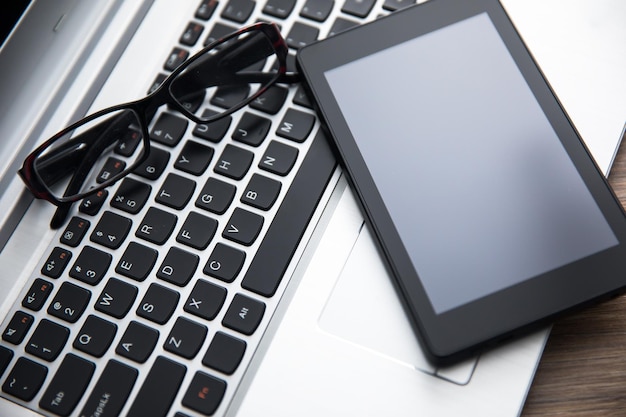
(476, 181)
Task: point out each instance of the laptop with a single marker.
(329, 337)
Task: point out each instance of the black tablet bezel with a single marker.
(456, 333)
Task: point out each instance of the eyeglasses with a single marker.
(104, 147)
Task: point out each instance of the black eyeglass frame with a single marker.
(145, 109)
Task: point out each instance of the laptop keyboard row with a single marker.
(177, 269)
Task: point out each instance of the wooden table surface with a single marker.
(583, 369)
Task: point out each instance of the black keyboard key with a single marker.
(279, 158)
(178, 266)
(197, 231)
(18, 327)
(37, 294)
(206, 300)
(238, 10)
(129, 142)
(156, 83)
(225, 262)
(91, 265)
(131, 196)
(317, 10)
(95, 336)
(271, 101)
(301, 98)
(159, 389)
(5, 358)
(225, 353)
(206, 9)
(185, 338)
(168, 129)
(216, 196)
(137, 342)
(47, 340)
(244, 314)
(279, 8)
(261, 192)
(341, 24)
(176, 191)
(67, 386)
(234, 162)
(56, 262)
(111, 230)
(218, 32)
(158, 304)
(156, 226)
(358, 8)
(111, 167)
(393, 5)
(296, 125)
(154, 165)
(175, 58)
(116, 298)
(252, 129)
(228, 97)
(75, 231)
(191, 34)
(91, 205)
(70, 302)
(194, 158)
(25, 379)
(205, 393)
(112, 389)
(283, 236)
(137, 261)
(301, 35)
(243, 227)
(214, 131)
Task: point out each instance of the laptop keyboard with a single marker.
(155, 296)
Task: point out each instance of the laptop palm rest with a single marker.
(364, 309)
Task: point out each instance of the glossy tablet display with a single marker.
(485, 201)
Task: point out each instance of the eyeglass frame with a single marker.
(145, 109)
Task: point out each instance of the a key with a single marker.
(191, 34)
(116, 298)
(317, 10)
(67, 386)
(178, 266)
(111, 230)
(296, 125)
(137, 342)
(111, 168)
(56, 262)
(113, 388)
(156, 226)
(358, 8)
(131, 195)
(244, 314)
(225, 353)
(243, 227)
(18, 327)
(91, 265)
(261, 192)
(137, 261)
(214, 131)
(252, 129)
(216, 196)
(228, 97)
(234, 162)
(37, 294)
(25, 379)
(206, 9)
(238, 10)
(301, 35)
(393, 5)
(194, 158)
(279, 158)
(185, 338)
(340, 24)
(175, 58)
(154, 165)
(218, 32)
(158, 304)
(95, 336)
(225, 262)
(47, 340)
(159, 389)
(175, 191)
(279, 8)
(75, 231)
(92, 204)
(206, 300)
(70, 302)
(168, 129)
(205, 393)
(5, 358)
(197, 231)
(271, 101)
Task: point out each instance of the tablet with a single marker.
(489, 209)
